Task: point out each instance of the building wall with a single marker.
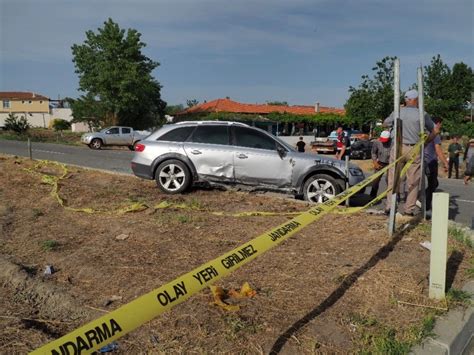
(62, 113)
(34, 118)
(22, 106)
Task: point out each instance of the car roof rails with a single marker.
(213, 122)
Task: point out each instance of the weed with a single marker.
(424, 227)
(458, 297)
(470, 271)
(238, 324)
(49, 245)
(460, 235)
(37, 213)
(183, 219)
(195, 204)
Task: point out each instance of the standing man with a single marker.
(300, 145)
(409, 115)
(380, 158)
(342, 144)
(433, 152)
(454, 150)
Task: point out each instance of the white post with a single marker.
(396, 115)
(439, 245)
(421, 110)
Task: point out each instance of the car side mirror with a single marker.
(281, 151)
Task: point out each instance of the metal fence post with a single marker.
(421, 110)
(29, 149)
(347, 177)
(396, 116)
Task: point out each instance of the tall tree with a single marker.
(448, 91)
(113, 71)
(373, 98)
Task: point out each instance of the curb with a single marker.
(454, 332)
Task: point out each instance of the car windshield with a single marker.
(283, 143)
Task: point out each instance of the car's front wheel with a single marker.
(96, 143)
(173, 177)
(321, 187)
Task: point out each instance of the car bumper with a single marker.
(86, 140)
(142, 170)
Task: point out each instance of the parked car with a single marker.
(361, 149)
(124, 136)
(180, 154)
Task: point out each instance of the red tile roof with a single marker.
(20, 95)
(227, 105)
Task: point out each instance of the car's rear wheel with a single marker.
(96, 143)
(173, 177)
(321, 187)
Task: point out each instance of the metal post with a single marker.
(439, 245)
(421, 109)
(396, 116)
(29, 149)
(347, 177)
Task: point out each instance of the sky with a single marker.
(299, 51)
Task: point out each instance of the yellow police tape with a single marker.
(116, 324)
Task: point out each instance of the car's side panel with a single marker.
(213, 162)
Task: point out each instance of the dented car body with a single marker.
(217, 152)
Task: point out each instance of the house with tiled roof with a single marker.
(305, 118)
(230, 106)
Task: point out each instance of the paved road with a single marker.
(113, 159)
(118, 160)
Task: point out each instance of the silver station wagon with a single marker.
(217, 152)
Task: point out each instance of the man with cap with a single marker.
(380, 158)
(409, 116)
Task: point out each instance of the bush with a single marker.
(17, 125)
(59, 124)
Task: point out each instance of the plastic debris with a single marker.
(109, 347)
(49, 270)
(426, 245)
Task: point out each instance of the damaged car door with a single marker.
(211, 153)
(259, 159)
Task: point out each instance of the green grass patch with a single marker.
(458, 297)
(378, 338)
(49, 245)
(460, 235)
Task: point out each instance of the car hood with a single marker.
(316, 159)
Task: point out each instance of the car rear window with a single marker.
(211, 135)
(176, 135)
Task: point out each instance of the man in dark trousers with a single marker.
(380, 158)
(409, 115)
(454, 150)
(300, 145)
(433, 152)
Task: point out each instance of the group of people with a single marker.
(383, 153)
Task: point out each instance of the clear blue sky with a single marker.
(298, 51)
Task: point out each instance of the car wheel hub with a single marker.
(321, 190)
(172, 177)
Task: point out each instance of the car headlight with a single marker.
(356, 172)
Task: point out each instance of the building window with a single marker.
(6, 103)
(41, 101)
(29, 102)
(22, 101)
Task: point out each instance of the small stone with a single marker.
(122, 237)
(49, 270)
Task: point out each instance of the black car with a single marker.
(361, 149)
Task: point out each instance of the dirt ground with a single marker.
(335, 287)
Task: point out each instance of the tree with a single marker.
(373, 98)
(60, 125)
(191, 103)
(277, 103)
(88, 110)
(447, 92)
(17, 125)
(173, 109)
(115, 74)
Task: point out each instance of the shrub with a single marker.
(17, 125)
(59, 124)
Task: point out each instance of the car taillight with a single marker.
(139, 147)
